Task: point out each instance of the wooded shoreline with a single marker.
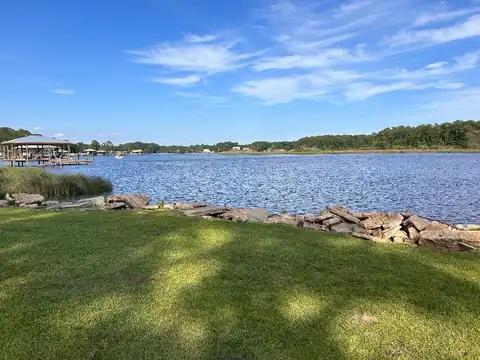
(357, 151)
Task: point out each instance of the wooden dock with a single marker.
(46, 162)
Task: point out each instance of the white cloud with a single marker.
(59, 135)
(115, 134)
(64, 91)
(436, 17)
(354, 6)
(200, 38)
(195, 57)
(462, 30)
(37, 128)
(180, 81)
(326, 58)
(355, 86)
(436, 65)
(282, 89)
(328, 51)
(361, 91)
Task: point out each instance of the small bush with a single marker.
(51, 186)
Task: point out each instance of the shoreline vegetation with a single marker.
(354, 151)
(50, 186)
(458, 136)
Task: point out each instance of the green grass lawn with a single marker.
(128, 285)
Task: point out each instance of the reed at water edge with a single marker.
(51, 186)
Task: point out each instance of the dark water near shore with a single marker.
(443, 186)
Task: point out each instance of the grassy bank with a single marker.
(37, 181)
(128, 285)
(354, 151)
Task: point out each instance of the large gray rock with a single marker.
(362, 215)
(65, 205)
(3, 203)
(286, 219)
(390, 233)
(310, 218)
(358, 229)
(188, 206)
(324, 215)
(98, 201)
(255, 215)
(419, 223)
(343, 228)
(413, 233)
(27, 199)
(383, 220)
(314, 226)
(333, 221)
(343, 213)
(133, 201)
(117, 205)
(400, 237)
(450, 240)
(206, 211)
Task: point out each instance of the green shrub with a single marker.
(51, 186)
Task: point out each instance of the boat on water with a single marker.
(118, 157)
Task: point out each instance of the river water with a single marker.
(442, 186)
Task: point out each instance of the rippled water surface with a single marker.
(443, 186)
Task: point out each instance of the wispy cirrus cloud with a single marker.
(443, 16)
(200, 38)
(64, 91)
(329, 51)
(465, 29)
(59, 135)
(360, 40)
(36, 128)
(194, 57)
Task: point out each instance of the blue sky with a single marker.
(203, 71)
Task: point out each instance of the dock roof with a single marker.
(36, 140)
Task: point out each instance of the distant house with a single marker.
(236, 148)
(137, 151)
(89, 152)
(246, 149)
(207, 151)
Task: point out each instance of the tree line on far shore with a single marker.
(454, 135)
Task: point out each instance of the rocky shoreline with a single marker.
(384, 227)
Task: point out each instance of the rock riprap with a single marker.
(385, 227)
(395, 228)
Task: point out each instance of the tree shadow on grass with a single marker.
(127, 285)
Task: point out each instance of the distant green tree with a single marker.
(456, 135)
(107, 146)
(95, 145)
(7, 133)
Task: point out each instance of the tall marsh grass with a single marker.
(51, 186)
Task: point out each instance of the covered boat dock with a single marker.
(39, 151)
